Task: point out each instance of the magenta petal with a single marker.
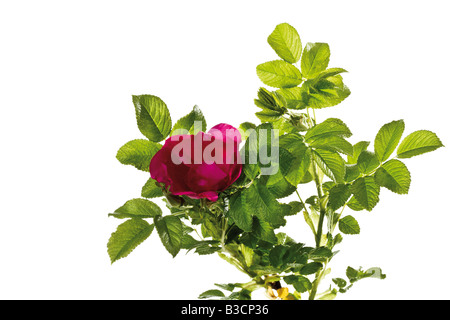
(231, 138)
(235, 173)
(183, 169)
(190, 194)
(227, 131)
(210, 195)
(206, 177)
(158, 168)
(164, 170)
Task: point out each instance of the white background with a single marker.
(67, 73)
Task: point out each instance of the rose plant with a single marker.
(224, 188)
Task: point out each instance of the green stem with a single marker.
(316, 282)
(322, 208)
(333, 225)
(224, 229)
(301, 201)
(232, 260)
(321, 205)
(319, 228)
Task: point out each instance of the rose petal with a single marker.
(210, 195)
(231, 138)
(158, 168)
(206, 177)
(164, 170)
(235, 173)
(227, 131)
(181, 170)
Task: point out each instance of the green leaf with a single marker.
(292, 208)
(332, 242)
(170, 230)
(192, 123)
(331, 163)
(351, 172)
(246, 254)
(310, 220)
(228, 286)
(367, 162)
(127, 237)
(151, 189)
(320, 254)
(294, 157)
(263, 230)
(246, 128)
(242, 218)
(324, 93)
(357, 149)
(355, 275)
(333, 143)
(300, 283)
(279, 74)
(137, 208)
(394, 175)
(187, 241)
(291, 141)
(310, 268)
(243, 294)
(202, 247)
(268, 115)
(283, 238)
(315, 59)
(388, 138)
(352, 274)
(138, 153)
(341, 283)
(286, 42)
(330, 294)
(206, 249)
(329, 127)
(366, 192)
(354, 204)
(281, 189)
(278, 255)
(338, 196)
(294, 97)
(349, 225)
(213, 293)
(261, 136)
(153, 117)
(374, 272)
(418, 142)
(331, 72)
(257, 200)
(270, 100)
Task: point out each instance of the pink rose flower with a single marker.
(201, 165)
